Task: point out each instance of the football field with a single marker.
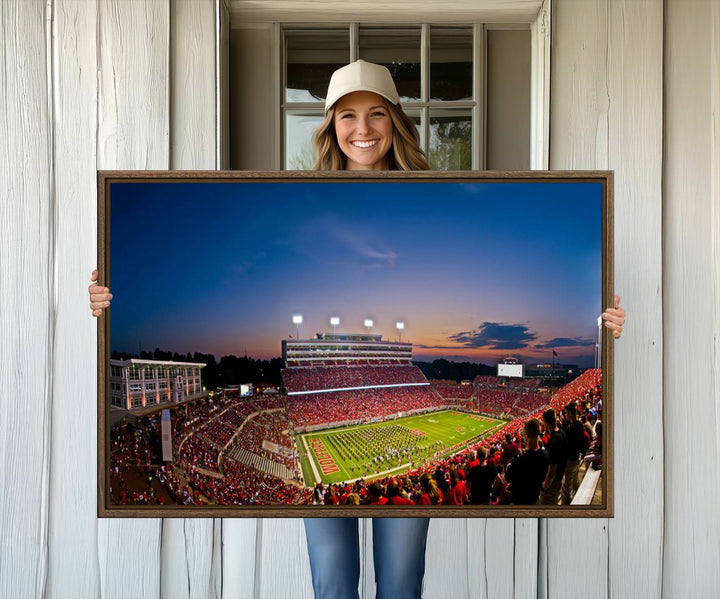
(372, 450)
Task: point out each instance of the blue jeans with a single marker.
(398, 552)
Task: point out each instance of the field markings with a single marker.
(434, 428)
(331, 450)
(318, 478)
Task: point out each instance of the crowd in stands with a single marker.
(202, 429)
(133, 447)
(200, 451)
(268, 428)
(507, 467)
(242, 485)
(217, 432)
(501, 401)
(524, 383)
(485, 380)
(363, 404)
(317, 378)
(526, 403)
(448, 391)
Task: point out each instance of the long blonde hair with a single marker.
(429, 485)
(404, 155)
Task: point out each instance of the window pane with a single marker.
(398, 50)
(450, 145)
(451, 55)
(299, 149)
(414, 114)
(311, 57)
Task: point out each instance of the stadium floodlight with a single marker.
(297, 321)
(598, 358)
(368, 324)
(334, 321)
(400, 325)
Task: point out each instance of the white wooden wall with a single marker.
(635, 87)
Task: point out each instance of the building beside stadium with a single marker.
(136, 384)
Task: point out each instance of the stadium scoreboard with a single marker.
(512, 370)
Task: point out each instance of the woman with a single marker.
(431, 495)
(365, 129)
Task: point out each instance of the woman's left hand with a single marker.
(615, 318)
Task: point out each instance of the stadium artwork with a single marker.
(355, 344)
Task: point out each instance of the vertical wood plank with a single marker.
(133, 130)
(187, 544)
(288, 577)
(133, 125)
(608, 74)
(635, 89)
(469, 558)
(691, 405)
(525, 561)
(447, 558)
(193, 85)
(26, 303)
(240, 558)
(578, 140)
(73, 563)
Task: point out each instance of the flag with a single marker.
(554, 353)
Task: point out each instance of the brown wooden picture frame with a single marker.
(436, 184)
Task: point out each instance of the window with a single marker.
(116, 371)
(467, 86)
(150, 386)
(435, 70)
(133, 373)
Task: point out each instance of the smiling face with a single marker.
(364, 130)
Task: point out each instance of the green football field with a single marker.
(371, 450)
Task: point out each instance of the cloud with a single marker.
(248, 264)
(495, 335)
(566, 342)
(370, 256)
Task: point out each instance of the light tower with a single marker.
(297, 321)
(400, 325)
(368, 324)
(598, 344)
(334, 322)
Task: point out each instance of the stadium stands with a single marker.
(319, 378)
(342, 406)
(242, 451)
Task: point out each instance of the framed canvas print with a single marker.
(355, 344)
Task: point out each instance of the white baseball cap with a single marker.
(361, 76)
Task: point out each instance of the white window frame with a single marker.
(476, 106)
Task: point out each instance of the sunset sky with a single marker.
(477, 271)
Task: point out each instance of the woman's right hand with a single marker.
(99, 296)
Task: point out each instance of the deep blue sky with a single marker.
(477, 271)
